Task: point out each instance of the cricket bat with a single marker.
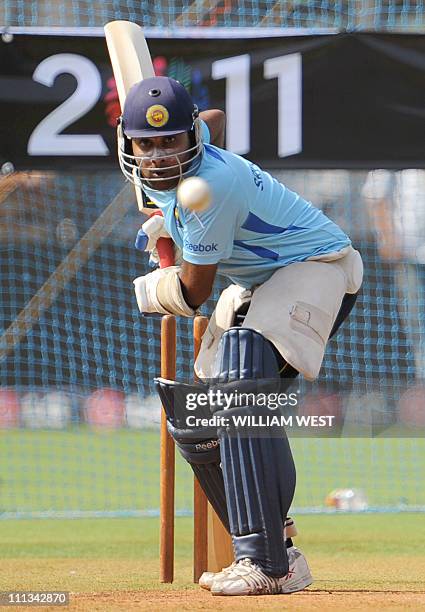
(129, 54)
(131, 62)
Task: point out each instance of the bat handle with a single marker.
(165, 248)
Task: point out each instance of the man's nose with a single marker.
(158, 162)
(160, 157)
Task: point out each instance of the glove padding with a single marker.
(165, 283)
(145, 289)
(153, 229)
(148, 236)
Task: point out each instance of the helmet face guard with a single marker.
(131, 165)
(159, 106)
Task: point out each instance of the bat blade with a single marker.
(131, 62)
(129, 53)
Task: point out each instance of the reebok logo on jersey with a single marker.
(200, 248)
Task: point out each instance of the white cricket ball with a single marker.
(194, 193)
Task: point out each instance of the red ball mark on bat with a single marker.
(112, 103)
(165, 247)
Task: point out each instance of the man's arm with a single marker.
(216, 121)
(196, 282)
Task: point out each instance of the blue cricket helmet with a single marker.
(158, 106)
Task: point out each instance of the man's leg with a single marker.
(259, 472)
(299, 572)
(200, 450)
(198, 445)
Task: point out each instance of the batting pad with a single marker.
(259, 472)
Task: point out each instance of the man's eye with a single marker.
(170, 139)
(141, 143)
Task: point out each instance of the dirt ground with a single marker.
(357, 564)
(202, 600)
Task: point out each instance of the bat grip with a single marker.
(165, 248)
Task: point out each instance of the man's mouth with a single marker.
(159, 173)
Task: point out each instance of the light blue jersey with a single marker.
(253, 226)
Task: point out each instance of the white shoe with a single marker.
(207, 578)
(299, 576)
(247, 578)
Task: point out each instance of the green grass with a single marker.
(87, 538)
(346, 552)
(84, 470)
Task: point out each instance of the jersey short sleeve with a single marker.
(206, 136)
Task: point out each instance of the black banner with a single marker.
(329, 101)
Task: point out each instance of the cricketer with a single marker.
(295, 279)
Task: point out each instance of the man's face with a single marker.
(161, 158)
